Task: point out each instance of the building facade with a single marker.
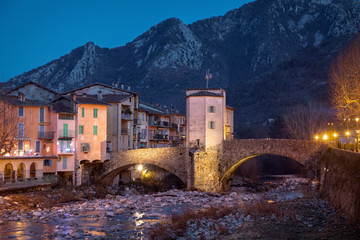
(209, 121)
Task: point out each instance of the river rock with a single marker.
(8, 198)
(2, 200)
(110, 214)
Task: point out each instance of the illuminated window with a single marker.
(211, 109)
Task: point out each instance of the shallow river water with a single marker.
(123, 217)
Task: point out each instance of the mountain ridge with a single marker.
(268, 55)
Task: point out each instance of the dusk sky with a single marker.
(36, 32)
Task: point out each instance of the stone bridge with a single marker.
(212, 170)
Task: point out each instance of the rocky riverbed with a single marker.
(172, 214)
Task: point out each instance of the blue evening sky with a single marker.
(35, 32)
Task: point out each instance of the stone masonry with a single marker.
(212, 170)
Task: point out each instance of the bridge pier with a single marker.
(206, 171)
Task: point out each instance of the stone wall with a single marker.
(340, 180)
(173, 160)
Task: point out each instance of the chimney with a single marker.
(128, 87)
(99, 95)
(116, 85)
(84, 95)
(73, 96)
(21, 96)
(122, 85)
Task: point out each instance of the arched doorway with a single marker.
(33, 170)
(9, 172)
(21, 171)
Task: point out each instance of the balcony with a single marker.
(124, 131)
(175, 138)
(159, 123)
(127, 117)
(46, 135)
(159, 137)
(66, 134)
(65, 151)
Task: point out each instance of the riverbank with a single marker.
(52, 214)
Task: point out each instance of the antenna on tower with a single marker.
(208, 76)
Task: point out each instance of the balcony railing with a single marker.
(68, 134)
(124, 131)
(126, 116)
(175, 138)
(159, 123)
(65, 151)
(46, 135)
(159, 137)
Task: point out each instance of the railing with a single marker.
(65, 151)
(68, 134)
(159, 123)
(159, 137)
(126, 116)
(175, 138)
(28, 182)
(46, 135)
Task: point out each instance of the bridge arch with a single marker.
(172, 160)
(227, 177)
(111, 176)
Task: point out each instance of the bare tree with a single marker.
(305, 121)
(8, 127)
(344, 80)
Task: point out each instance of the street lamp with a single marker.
(316, 137)
(325, 137)
(347, 133)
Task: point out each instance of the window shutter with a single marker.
(83, 112)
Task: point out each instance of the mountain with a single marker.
(269, 55)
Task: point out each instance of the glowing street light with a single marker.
(316, 137)
(140, 167)
(325, 137)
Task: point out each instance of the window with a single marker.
(85, 147)
(65, 130)
(41, 131)
(20, 146)
(143, 118)
(65, 146)
(64, 160)
(95, 113)
(66, 117)
(21, 112)
(20, 130)
(41, 115)
(95, 130)
(81, 129)
(37, 146)
(47, 162)
(211, 125)
(83, 112)
(211, 109)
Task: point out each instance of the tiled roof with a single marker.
(38, 85)
(89, 100)
(151, 109)
(14, 100)
(115, 98)
(103, 85)
(61, 108)
(205, 93)
(227, 106)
